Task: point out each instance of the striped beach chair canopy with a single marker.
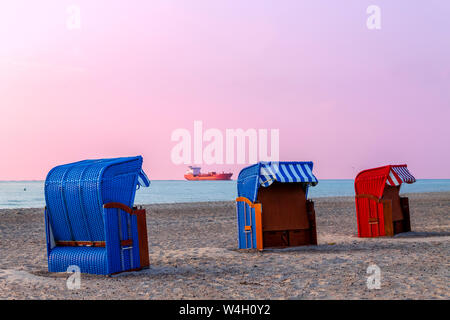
(398, 175)
(265, 173)
(373, 181)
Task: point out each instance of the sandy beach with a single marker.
(193, 255)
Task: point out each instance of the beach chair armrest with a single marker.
(244, 199)
(258, 219)
(124, 223)
(118, 219)
(118, 205)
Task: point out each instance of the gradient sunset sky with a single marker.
(343, 96)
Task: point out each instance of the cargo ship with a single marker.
(194, 174)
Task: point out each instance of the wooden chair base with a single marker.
(395, 227)
(293, 237)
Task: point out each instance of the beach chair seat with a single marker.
(89, 259)
(90, 219)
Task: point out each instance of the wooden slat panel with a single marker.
(299, 237)
(89, 243)
(80, 243)
(392, 193)
(398, 227)
(311, 212)
(276, 239)
(387, 215)
(258, 227)
(284, 206)
(143, 237)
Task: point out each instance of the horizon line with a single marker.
(37, 180)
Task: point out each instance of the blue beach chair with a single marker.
(89, 216)
(273, 209)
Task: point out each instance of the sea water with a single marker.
(30, 194)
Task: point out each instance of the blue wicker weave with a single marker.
(75, 194)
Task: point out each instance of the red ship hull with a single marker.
(208, 176)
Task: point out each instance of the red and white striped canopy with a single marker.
(398, 175)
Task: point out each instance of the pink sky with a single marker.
(342, 95)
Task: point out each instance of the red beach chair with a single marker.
(380, 211)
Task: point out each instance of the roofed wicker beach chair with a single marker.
(273, 209)
(380, 211)
(89, 216)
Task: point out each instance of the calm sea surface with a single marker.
(30, 194)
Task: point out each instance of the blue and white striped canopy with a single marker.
(286, 172)
(265, 173)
